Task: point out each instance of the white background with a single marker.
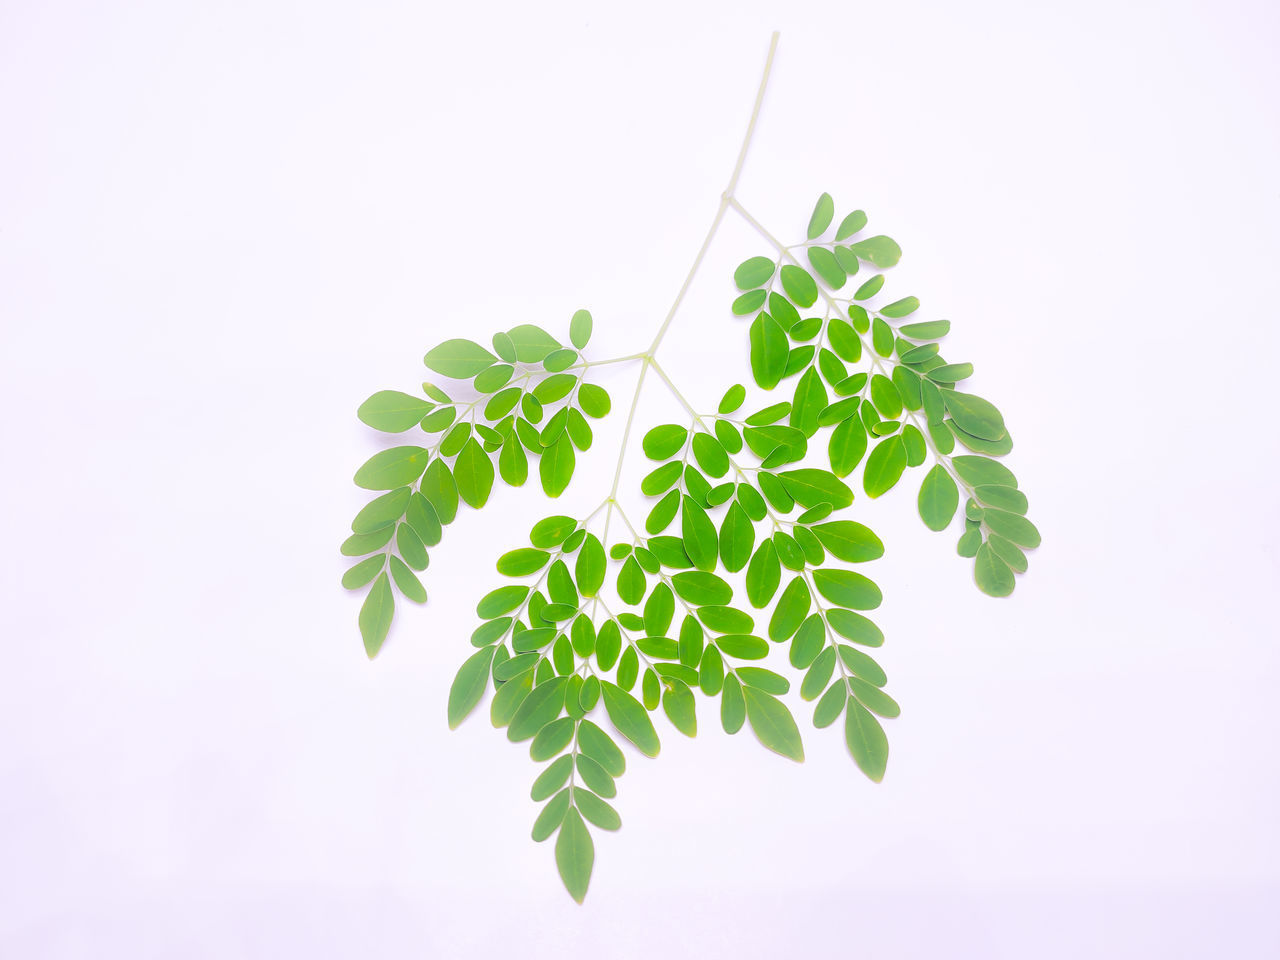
(224, 225)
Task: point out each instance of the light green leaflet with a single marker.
(459, 359)
(735, 579)
(393, 411)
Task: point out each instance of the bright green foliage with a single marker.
(589, 638)
(529, 407)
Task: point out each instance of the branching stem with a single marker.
(726, 199)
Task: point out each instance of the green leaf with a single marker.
(539, 708)
(555, 468)
(732, 399)
(974, 415)
(522, 562)
(392, 468)
(392, 411)
(951, 372)
(459, 359)
(929, 330)
(699, 534)
(884, 466)
(552, 816)
(820, 219)
(596, 810)
(555, 387)
(862, 665)
(885, 396)
(881, 251)
(678, 704)
(532, 344)
(1012, 527)
(702, 589)
(869, 288)
(630, 718)
(357, 545)
(594, 400)
(663, 512)
(743, 646)
(881, 337)
(826, 265)
(791, 611)
(844, 341)
(914, 445)
(900, 308)
(994, 577)
(599, 746)
(493, 379)
(799, 286)
(733, 709)
(407, 582)
(575, 854)
(938, 498)
(810, 487)
(710, 455)
(855, 627)
(849, 540)
(984, 471)
(851, 225)
(664, 442)
(364, 571)
(737, 537)
(376, 614)
(502, 600)
(552, 531)
(580, 328)
(410, 546)
(808, 642)
(1008, 552)
(381, 511)
(762, 679)
(769, 347)
(866, 741)
(846, 447)
(661, 479)
(726, 619)
(847, 589)
(819, 674)
(752, 273)
(473, 473)
(810, 401)
(991, 448)
(441, 491)
(749, 302)
(469, 685)
(590, 567)
(763, 575)
(421, 516)
(773, 724)
(658, 611)
(970, 541)
(830, 706)
(552, 779)
(1001, 497)
(631, 581)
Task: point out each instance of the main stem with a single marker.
(726, 199)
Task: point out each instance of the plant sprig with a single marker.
(746, 549)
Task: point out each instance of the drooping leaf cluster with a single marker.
(743, 576)
(527, 399)
(883, 389)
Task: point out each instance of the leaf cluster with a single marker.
(525, 401)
